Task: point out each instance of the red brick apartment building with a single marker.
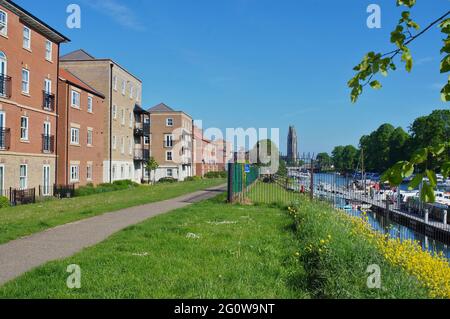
(29, 51)
(81, 110)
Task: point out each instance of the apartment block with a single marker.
(171, 138)
(122, 91)
(29, 51)
(81, 110)
(205, 154)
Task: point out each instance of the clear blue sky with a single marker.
(261, 63)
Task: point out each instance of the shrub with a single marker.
(90, 189)
(221, 174)
(4, 202)
(193, 179)
(167, 180)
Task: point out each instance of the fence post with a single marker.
(445, 217)
(426, 215)
(230, 182)
(312, 180)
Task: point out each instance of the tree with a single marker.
(282, 170)
(151, 166)
(398, 146)
(323, 161)
(263, 151)
(345, 158)
(375, 63)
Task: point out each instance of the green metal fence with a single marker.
(241, 177)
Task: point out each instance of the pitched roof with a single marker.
(72, 79)
(161, 108)
(77, 56)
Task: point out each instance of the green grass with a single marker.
(20, 221)
(240, 252)
(271, 193)
(338, 268)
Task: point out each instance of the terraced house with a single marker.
(81, 110)
(29, 51)
(171, 136)
(122, 91)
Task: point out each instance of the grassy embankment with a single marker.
(215, 250)
(21, 221)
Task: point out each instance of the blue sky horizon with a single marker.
(261, 63)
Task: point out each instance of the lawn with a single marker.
(16, 222)
(207, 250)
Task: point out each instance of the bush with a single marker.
(193, 179)
(4, 202)
(335, 258)
(221, 174)
(167, 180)
(90, 189)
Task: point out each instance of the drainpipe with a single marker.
(57, 117)
(110, 121)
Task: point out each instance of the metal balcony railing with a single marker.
(5, 86)
(48, 101)
(5, 138)
(141, 155)
(48, 144)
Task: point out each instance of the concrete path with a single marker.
(22, 255)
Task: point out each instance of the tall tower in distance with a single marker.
(292, 146)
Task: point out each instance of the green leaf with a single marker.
(427, 194)
(445, 64)
(376, 85)
(445, 169)
(415, 182)
(438, 150)
(408, 170)
(420, 156)
(432, 177)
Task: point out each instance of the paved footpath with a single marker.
(22, 255)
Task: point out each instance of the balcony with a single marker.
(48, 101)
(5, 138)
(141, 155)
(142, 130)
(5, 86)
(48, 144)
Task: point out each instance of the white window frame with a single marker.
(24, 129)
(146, 140)
(131, 144)
(46, 188)
(89, 172)
(75, 96)
(26, 42)
(115, 83)
(74, 173)
(74, 136)
(131, 119)
(171, 172)
(122, 116)
(168, 140)
(90, 104)
(122, 171)
(114, 142)
(90, 137)
(4, 30)
(48, 50)
(167, 156)
(122, 146)
(25, 83)
(124, 87)
(24, 177)
(114, 111)
(131, 90)
(169, 122)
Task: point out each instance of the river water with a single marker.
(383, 224)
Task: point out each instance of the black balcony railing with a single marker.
(5, 138)
(5, 86)
(142, 129)
(48, 143)
(48, 101)
(141, 155)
